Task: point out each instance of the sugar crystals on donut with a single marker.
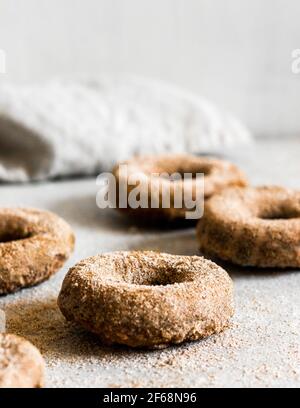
(147, 299)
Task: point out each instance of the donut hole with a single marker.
(280, 213)
(155, 276)
(194, 170)
(179, 174)
(9, 236)
(175, 170)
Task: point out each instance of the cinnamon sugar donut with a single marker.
(253, 227)
(21, 364)
(218, 174)
(34, 244)
(147, 299)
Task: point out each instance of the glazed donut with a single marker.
(34, 244)
(253, 227)
(218, 174)
(21, 364)
(147, 299)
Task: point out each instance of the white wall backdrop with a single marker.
(235, 52)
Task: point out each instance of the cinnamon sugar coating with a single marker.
(34, 244)
(218, 174)
(21, 364)
(253, 227)
(147, 299)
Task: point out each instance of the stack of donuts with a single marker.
(150, 299)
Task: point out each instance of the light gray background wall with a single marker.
(235, 52)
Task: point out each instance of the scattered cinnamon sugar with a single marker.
(247, 354)
(260, 349)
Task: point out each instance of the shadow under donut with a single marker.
(83, 211)
(185, 243)
(252, 272)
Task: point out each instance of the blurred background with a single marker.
(54, 135)
(234, 52)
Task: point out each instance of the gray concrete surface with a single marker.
(262, 348)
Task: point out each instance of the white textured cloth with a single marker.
(67, 127)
